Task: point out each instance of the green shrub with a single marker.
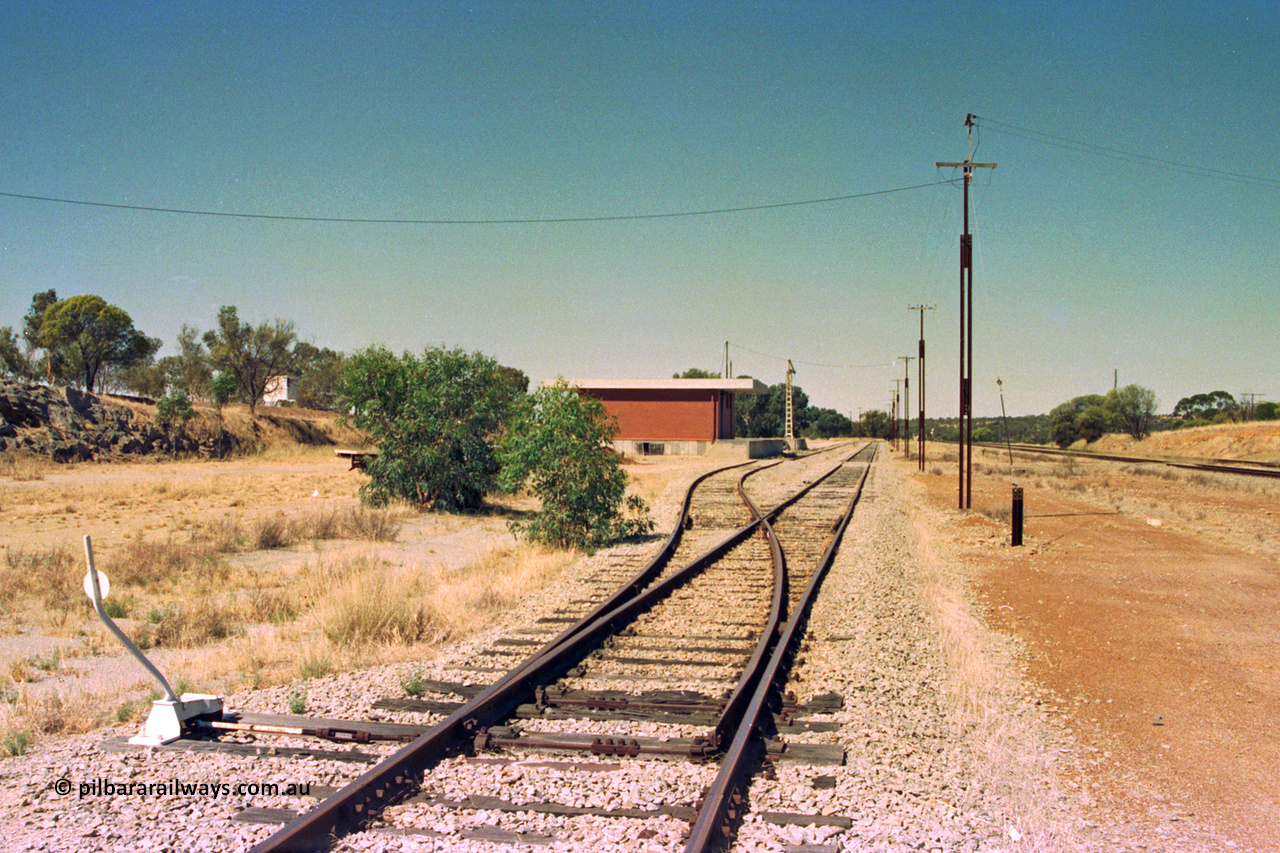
(413, 684)
(174, 409)
(434, 418)
(559, 448)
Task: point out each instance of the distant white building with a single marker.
(280, 390)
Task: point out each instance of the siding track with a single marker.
(675, 667)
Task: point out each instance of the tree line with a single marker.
(86, 342)
(1130, 410)
(450, 426)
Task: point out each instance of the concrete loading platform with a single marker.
(754, 448)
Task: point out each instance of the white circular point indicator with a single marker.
(104, 585)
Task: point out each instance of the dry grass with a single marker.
(24, 718)
(336, 613)
(362, 602)
(167, 564)
(1001, 731)
(49, 576)
(199, 558)
(227, 601)
(357, 611)
(187, 625)
(23, 467)
(279, 530)
(185, 545)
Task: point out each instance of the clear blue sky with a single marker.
(1086, 264)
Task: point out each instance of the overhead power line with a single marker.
(513, 221)
(997, 126)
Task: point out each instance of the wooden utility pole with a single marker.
(906, 402)
(966, 327)
(920, 392)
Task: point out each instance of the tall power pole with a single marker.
(906, 402)
(920, 392)
(966, 327)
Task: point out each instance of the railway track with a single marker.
(669, 672)
(1218, 466)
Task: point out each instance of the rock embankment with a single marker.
(69, 425)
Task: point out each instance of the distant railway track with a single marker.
(682, 660)
(1218, 466)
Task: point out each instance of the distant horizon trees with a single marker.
(874, 423)
(89, 343)
(252, 354)
(765, 415)
(828, 423)
(1214, 406)
(1131, 409)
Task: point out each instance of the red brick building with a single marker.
(671, 416)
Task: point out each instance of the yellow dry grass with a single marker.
(234, 626)
(250, 571)
(23, 467)
(1000, 732)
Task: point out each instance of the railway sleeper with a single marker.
(251, 750)
(691, 718)
(504, 736)
(477, 802)
(782, 724)
(613, 700)
(258, 815)
(664, 661)
(696, 748)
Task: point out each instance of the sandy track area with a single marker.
(1147, 608)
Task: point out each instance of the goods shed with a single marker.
(669, 416)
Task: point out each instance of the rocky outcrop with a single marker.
(69, 425)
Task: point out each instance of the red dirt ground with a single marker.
(1159, 642)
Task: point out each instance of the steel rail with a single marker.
(396, 777)
(739, 699)
(646, 575)
(726, 792)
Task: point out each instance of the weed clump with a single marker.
(14, 743)
(187, 625)
(414, 684)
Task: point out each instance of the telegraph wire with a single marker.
(626, 217)
(1119, 154)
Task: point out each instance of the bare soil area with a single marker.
(1146, 601)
